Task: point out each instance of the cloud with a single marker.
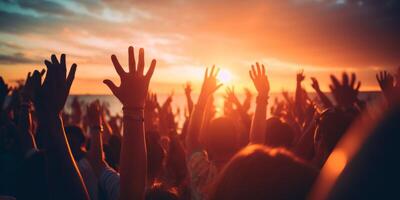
(17, 58)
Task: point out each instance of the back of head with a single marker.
(258, 172)
(155, 154)
(278, 133)
(76, 140)
(331, 125)
(221, 139)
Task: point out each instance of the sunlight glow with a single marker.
(224, 76)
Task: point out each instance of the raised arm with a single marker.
(324, 99)
(25, 118)
(188, 94)
(345, 92)
(49, 102)
(196, 118)
(260, 81)
(132, 94)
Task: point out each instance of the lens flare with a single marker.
(224, 76)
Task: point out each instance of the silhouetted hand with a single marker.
(260, 80)
(93, 113)
(300, 76)
(386, 81)
(210, 84)
(345, 93)
(151, 102)
(231, 96)
(134, 84)
(188, 89)
(315, 84)
(53, 93)
(4, 90)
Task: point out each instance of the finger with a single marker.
(140, 67)
(54, 59)
(111, 85)
(151, 69)
(206, 74)
(332, 88)
(335, 81)
(117, 66)
(132, 62)
(71, 75)
(42, 72)
(345, 78)
(352, 80)
(258, 69)
(212, 70)
(254, 71)
(48, 64)
(263, 69)
(251, 75)
(358, 85)
(218, 86)
(62, 59)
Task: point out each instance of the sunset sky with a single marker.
(319, 36)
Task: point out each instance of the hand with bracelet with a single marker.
(261, 83)
(132, 94)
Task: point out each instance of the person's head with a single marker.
(259, 172)
(76, 140)
(278, 133)
(331, 125)
(222, 138)
(159, 192)
(155, 155)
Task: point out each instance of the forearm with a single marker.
(190, 103)
(133, 161)
(258, 125)
(25, 129)
(194, 127)
(60, 157)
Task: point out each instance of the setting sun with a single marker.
(224, 76)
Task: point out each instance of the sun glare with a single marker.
(224, 76)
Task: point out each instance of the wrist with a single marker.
(262, 99)
(133, 114)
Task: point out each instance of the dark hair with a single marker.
(155, 155)
(76, 140)
(331, 125)
(278, 133)
(259, 172)
(222, 138)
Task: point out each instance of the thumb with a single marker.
(111, 85)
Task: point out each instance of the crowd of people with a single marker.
(88, 153)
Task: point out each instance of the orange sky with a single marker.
(321, 37)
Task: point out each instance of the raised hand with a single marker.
(324, 99)
(315, 84)
(300, 76)
(4, 90)
(188, 89)
(134, 84)
(260, 80)
(386, 81)
(345, 93)
(93, 114)
(53, 93)
(231, 96)
(210, 84)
